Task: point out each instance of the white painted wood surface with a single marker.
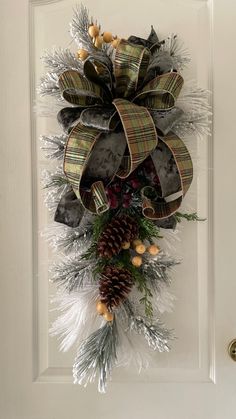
(197, 379)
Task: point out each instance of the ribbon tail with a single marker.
(90, 164)
(159, 207)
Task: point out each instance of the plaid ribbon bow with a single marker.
(98, 108)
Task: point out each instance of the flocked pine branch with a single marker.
(67, 239)
(77, 316)
(97, 356)
(157, 270)
(73, 272)
(56, 185)
(155, 333)
(194, 101)
(177, 51)
(60, 60)
(48, 86)
(53, 145)
(79, 28)
(79, 32)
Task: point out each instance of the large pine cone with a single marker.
(119, 230)
(114, 285)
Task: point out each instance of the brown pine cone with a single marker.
(119, 230)
(114, 285)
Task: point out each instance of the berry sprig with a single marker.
(103, 311)
(98, 40)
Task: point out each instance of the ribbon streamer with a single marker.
(162, 207)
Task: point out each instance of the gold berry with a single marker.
(115, 42)
(93, 31)
(108, 316)
(98, 41)
(136, 242)
(153, 250)
(101, 307)
(107, 37)
(125, 245)
(140, 249)
(137, 261)
(82, 54)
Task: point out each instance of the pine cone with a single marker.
(119, 230)
(114, 285)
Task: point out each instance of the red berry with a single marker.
(135, 183)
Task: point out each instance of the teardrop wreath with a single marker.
(123, 172)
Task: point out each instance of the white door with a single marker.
(197, 379)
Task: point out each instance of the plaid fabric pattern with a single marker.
(158, 210)
(96, 199)
(79, 91)
(182, 158)
(78, 148)
(131, 62)
(140, 133)
(161, 92)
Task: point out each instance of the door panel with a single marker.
(191, 358)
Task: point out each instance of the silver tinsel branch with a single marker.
(53, 145)
(77, 315)
(73, 272)
(97, 356)
(175, 48)
(49, 86)
(156, 335)
(79, 28)
(70, 239)
(79, 32)
(194, 101)
(60, 60)
(50, 107)
(156, 270)
(56, 185)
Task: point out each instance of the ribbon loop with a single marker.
(79, 91)
(140, 134)
(161, 92)
(87, 166)
(130, 65)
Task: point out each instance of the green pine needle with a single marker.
(179, 216)
(99, 224)
(91, 252)
(143, 288)
(147, 229)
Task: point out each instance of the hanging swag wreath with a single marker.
(123, 173)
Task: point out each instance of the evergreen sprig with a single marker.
(99, 224)
(91, 252)
(148, 230)
(144, 289)
(179, 216)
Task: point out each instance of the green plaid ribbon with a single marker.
(131, 62)
(140, 134)
(79, 145)
(130, 66)
(161, 92)
(163, 209)
(79, 91)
